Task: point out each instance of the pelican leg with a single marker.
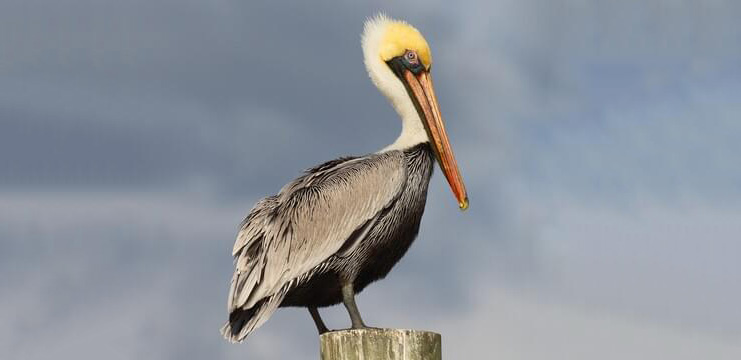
(348, 298)
(318, 320)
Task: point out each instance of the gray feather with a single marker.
(285, 237)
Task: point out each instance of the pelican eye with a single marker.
(411, 56)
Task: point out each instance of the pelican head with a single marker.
(398, 61)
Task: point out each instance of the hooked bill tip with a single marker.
(464, 204)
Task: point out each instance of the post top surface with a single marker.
(379, 331)
(380, 344)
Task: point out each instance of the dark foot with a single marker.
(360, 328)
(368, 328)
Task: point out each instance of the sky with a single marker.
(598, 141)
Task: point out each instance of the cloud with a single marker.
(127, 275)
(513, 326)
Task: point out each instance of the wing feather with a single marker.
(287, 235)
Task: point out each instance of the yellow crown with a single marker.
(400, 37)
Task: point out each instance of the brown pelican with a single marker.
(345, 223)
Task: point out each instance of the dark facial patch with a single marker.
(408, 61)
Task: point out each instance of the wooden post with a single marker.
(380, 344)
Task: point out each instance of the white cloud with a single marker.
(508, 325)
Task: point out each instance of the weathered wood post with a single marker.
(380, 344)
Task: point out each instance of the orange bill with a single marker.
(420, 85)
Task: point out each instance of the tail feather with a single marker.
(243, 321)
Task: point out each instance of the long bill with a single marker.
(423, 94)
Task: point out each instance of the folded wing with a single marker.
(312, 218)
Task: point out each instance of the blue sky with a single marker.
(598, 141)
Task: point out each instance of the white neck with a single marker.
(412, 131)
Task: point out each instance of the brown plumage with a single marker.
(347, 220)
(344, 224)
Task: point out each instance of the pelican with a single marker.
(345, 223)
